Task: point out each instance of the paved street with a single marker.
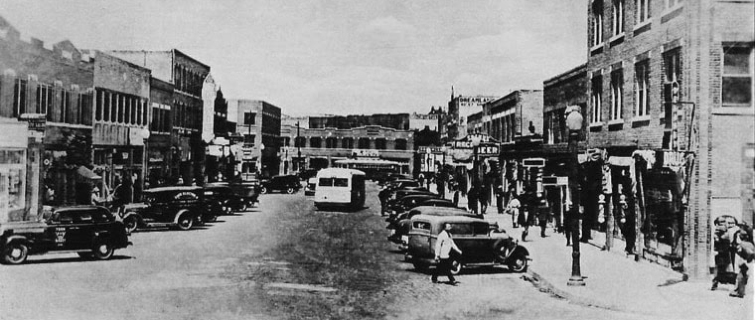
(282, 260)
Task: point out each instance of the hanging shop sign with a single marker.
(555, 181)
(533, 163)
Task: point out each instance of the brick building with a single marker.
(559, 92)
(259, 122)
(670, 98)
(187, 75)
(51, 88)
(517, 114)
(459, 109)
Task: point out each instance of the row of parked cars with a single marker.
(94, 232)
(416, 216)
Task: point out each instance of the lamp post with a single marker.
(443, 175)
(574, 124)
(476, 139)
(428, 152)
(262, 155)
(145, 156)
(298, 148)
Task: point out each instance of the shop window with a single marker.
(13, 179)
(737, 75)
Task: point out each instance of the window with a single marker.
(672, 66)
(400, 144)
(364, 143)
(127, 103)
(325, 182)
(250, 118)
(121, 107)
(97, 106)
(106, 106)
(64, 105)
(596, 24)
(19, 97)
(641, 78)
(380, 143)
(331, 143)
(134, 112)
(643, 11)
(617, 84)
(315, 142)
(300, 142)
(84, 115)
(736, 79)
(341, 182)
(596, 99)
(618, 17)
(347, 143)
(249, 139)
(44, 99)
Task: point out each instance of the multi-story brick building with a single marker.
(51, 88)
(559, 92)
(398, 121)
(187, 75)
(459, 109)
(161, 155)
(516, 114)
(671, 84)
(121, 117)
(259, 122)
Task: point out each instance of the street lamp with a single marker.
(443, 175)
(428, 152)
(574, 124)
(262, 155)
(145, 156)
(476, 139)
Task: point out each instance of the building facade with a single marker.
(187, 75)
(670, 86)
(47, 89)
(259, 122)
(321, 147)
(559, 92)
(459, 109)
(516, 114)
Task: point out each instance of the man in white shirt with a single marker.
(443, 246)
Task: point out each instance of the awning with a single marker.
(86, 173)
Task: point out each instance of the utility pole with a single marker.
(298, 148)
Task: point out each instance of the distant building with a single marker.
(559, 92)
(399, 121)
(259, 122)
(459, 109)
(517, 114)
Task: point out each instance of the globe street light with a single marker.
(574, 124)
(145, 155)
(443, 175)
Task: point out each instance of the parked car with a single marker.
(91, 231)
(477, 239)
(402, 224)
(399, 205)
(309, 190)
(307, 174)
(229, 198)
(180, 206)
(419, 201)
(288, 183)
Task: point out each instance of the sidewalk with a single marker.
(617, 282)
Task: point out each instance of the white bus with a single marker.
(340, 187)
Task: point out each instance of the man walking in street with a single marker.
(443, 246)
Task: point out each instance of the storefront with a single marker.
(18, 184)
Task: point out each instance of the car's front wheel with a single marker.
(102, 250)
(456, 267)
(131, 223)
(263, 190)
(290, 190)
(518, 264)
(15, 253)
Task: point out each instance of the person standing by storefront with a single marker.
(722, 244)
(443, 246)
(746, 253)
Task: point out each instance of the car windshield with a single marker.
(469, 228)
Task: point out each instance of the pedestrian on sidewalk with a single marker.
(443, 246)
(513, 209)
(472, 199)
(499, 193)
(722, 245)
(746, 252)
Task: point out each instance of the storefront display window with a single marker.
(12, 182)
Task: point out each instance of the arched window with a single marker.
(331, 143)
(315, 142)
(347, 143)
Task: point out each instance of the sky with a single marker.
(334, 56)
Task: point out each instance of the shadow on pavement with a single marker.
(75, 260)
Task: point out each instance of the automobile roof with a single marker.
(338, 172)
(79, 207)
(466, 218)
(174, 188)
(445, 210)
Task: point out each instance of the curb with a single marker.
(545, 286)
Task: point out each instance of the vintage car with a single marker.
(309, 189)
(90, 231)
(401, 226)
(288, 183)
(307, 174)
(478, 240)
(180, 206)
(231, 196)
(399, 205)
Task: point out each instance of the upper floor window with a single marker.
(643, 11)
(672, 65)
(315, 142)
(331, 143)
(250, 118)
(400, 144)
(347, 143)
(596, 100)
(596, 23)
(249, 140)
(19, 97)
(641, 77)
(364, 143)
(618, 17)
(736, 76)
(44, 99)
(380, 143)
(617, 93)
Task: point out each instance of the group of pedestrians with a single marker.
(735, 253)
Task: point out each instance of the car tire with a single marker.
(290, 190)
(263, 190)
(518, 264)
(102, 250)
(419, 266)
(131, 223)
(456, 267)
(244, 206)
(15, 253)
(185, 221)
